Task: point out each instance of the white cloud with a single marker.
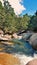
(18, 7)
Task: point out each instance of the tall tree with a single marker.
(2, 15)
(8, 7)
(33, 23)
(25, 21)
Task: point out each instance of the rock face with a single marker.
(33, 41)
(8, 59)
(26, 36)
(33, 62)
(16, 36)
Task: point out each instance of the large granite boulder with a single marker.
(33, 41)
(33, 62)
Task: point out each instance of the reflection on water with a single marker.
(23, 48)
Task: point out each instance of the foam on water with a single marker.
(25, 59)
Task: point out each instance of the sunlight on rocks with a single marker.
(8, 59)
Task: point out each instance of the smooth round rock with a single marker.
(33, 41)
(33, 62)
(8, 59)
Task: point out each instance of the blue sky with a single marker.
(23, 6)
(30, 5)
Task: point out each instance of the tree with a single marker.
(25, 21)
(33, 23)
(9, 22)
(2, 15)
(8, 8)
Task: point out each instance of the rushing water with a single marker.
(20, 47)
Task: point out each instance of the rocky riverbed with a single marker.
(20, 52)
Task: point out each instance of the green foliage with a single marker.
(33, 23)
(9, 22)
(2, 15)
(25, 21)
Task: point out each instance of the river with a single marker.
(21, 49)
(20, 46)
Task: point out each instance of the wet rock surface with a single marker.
(33, 62)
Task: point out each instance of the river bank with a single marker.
(20, 49)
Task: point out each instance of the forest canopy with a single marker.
(10, 22)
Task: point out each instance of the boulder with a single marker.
(8, 59)
(26, 36)
(33, 41)
(33, 62)
(17, 36)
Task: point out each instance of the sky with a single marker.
(31, 6)
(23, 6)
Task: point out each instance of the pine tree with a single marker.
(8, 7)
